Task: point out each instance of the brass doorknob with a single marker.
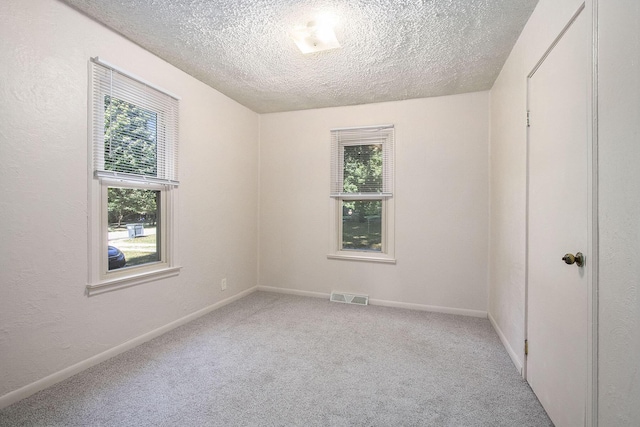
(578, 259)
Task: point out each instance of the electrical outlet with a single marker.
(223, 284)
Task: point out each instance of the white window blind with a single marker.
(362, 162)
(135, 128)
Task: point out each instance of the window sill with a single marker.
(131, 280)
(384, 259)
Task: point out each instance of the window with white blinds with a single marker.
(362, 162)
(134, 179)
(135, 128)
(361, 194)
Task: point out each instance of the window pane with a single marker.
(362, 168)
(134, 226)
(362, 225)
(130, 138)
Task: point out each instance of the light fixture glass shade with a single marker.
(315, 38)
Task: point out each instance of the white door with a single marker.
(557, 303)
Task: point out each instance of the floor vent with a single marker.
(349, 298)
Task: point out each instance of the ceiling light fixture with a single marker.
(315, 37)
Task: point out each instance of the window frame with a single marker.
(336, 251)
(101, 279)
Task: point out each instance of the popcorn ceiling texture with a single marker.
(391, 49)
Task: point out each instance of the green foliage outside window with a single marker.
(363, 168)
(130, 146)
(362, 174)
(361, 226)
(130, 138)
(132, 205)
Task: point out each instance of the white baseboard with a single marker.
(432, 308)
(512, 354)
(56, 377)
(293, 292)
(421, 307)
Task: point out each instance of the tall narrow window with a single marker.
(362, 193)
(135, 166)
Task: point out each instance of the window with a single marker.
(134, 171)
(362, 193)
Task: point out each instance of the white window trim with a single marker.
(100, 279)
(387, 254)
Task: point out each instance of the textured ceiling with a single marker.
(391, 49)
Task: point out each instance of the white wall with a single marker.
(441, 197)
(508, 171)
(46, 322)
(619, 212)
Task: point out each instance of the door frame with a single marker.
(591, 404)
